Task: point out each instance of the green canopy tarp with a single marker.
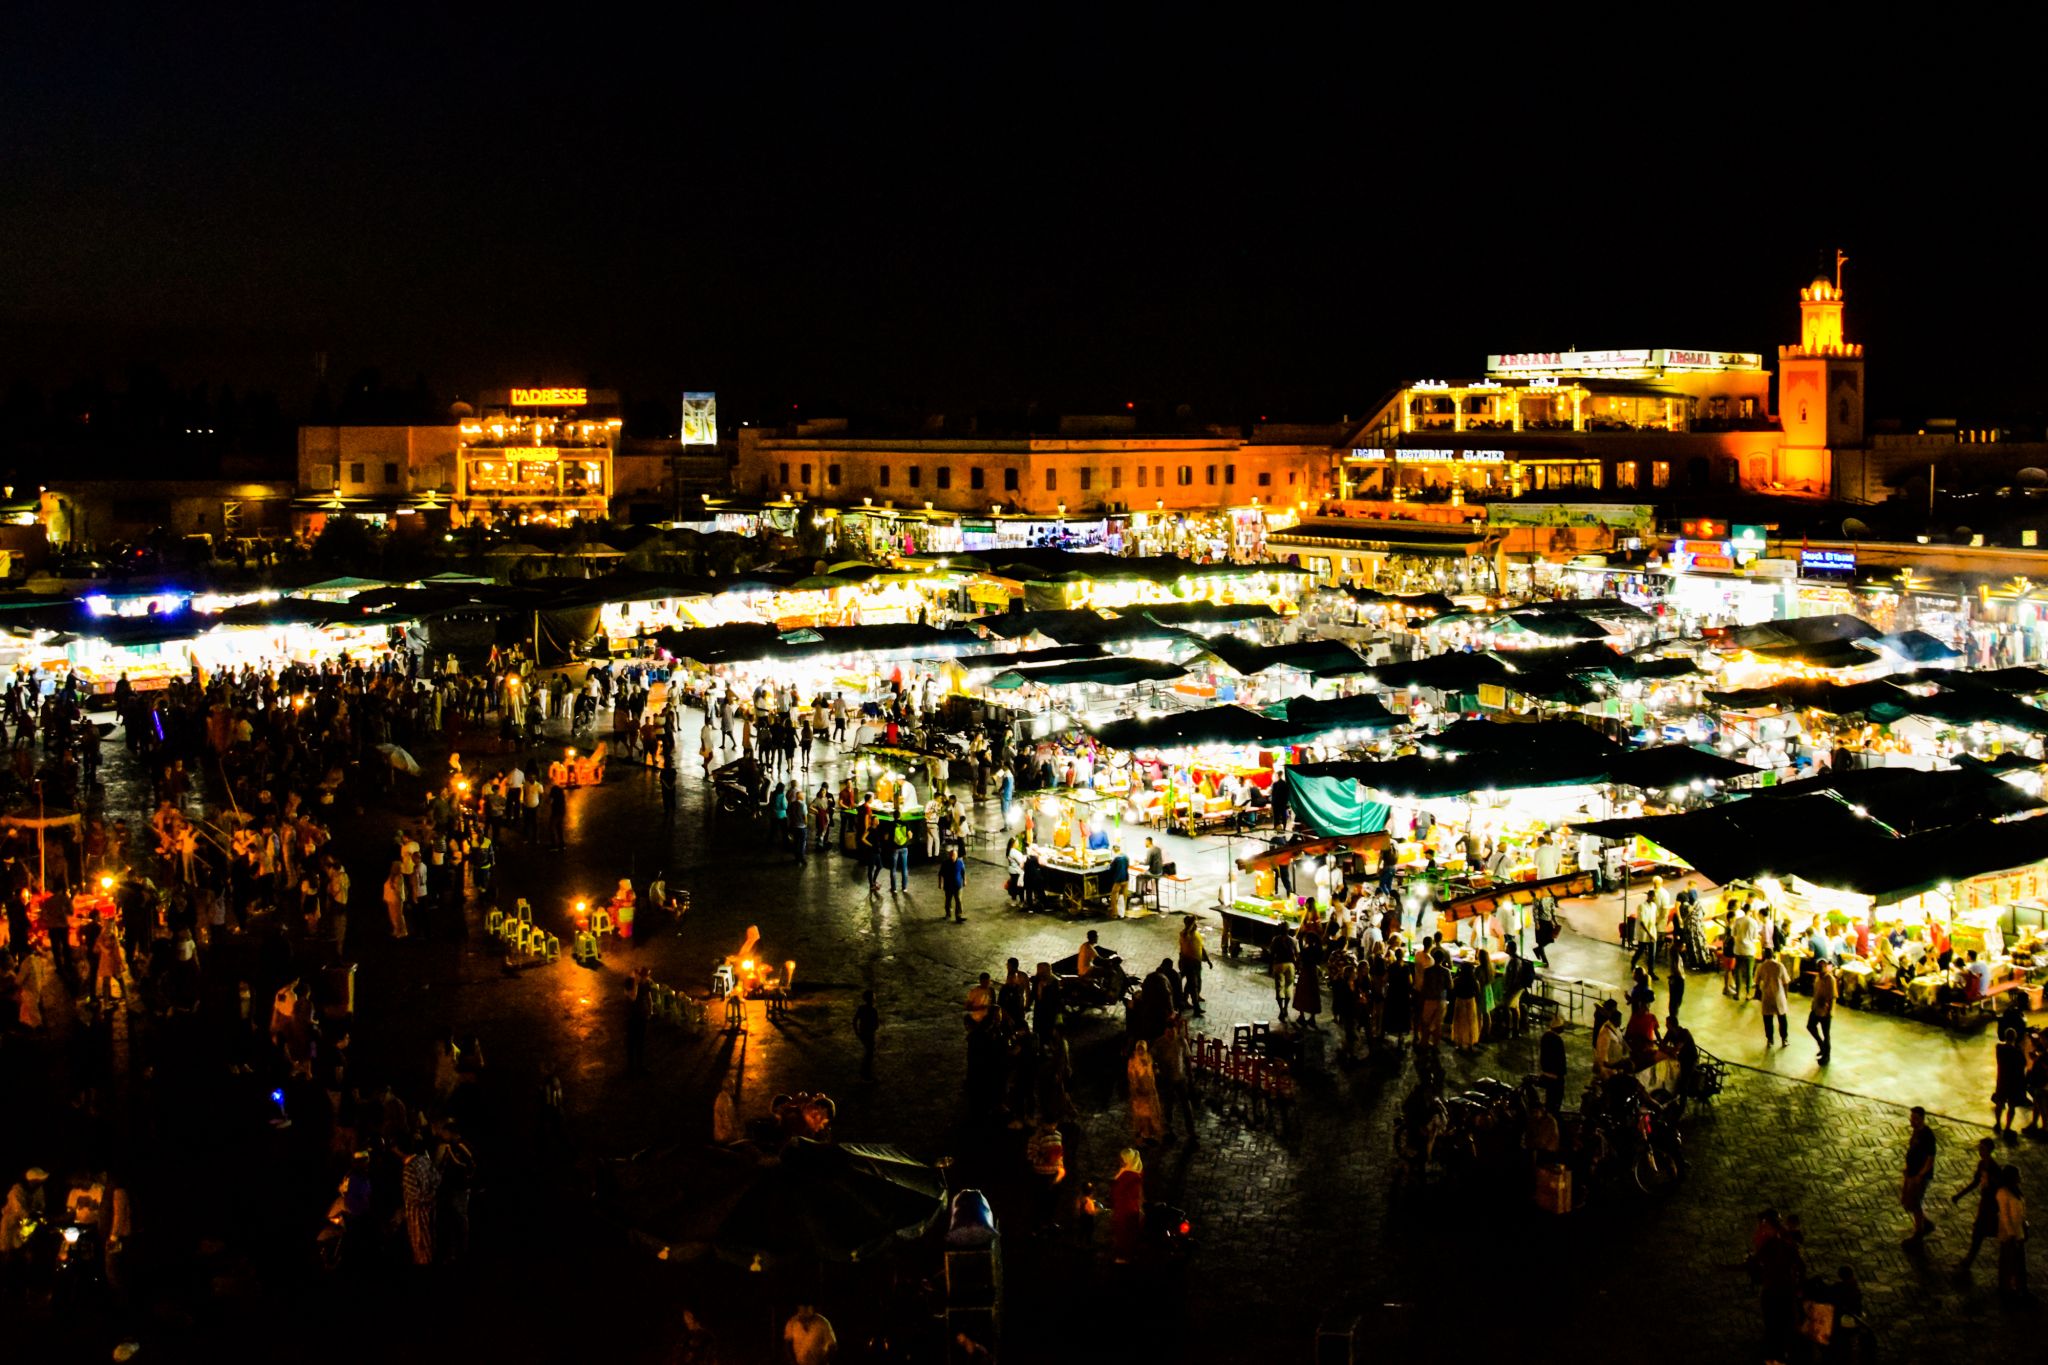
(1334, 805)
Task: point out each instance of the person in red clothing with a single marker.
(1641, 1036)
(1127, 1206)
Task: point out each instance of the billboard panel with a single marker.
(700, 419)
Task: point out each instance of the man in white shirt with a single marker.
(1743, 934)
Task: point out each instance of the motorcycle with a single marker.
(1623, 1132)
(1423, 1120)
(1168, 1232)
(1482, 1134)
(80, 1267)
(729, 784)
(1106, 986)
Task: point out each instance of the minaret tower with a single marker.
(1820, 389)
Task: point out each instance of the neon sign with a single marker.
(550, 398)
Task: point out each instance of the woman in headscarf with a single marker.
(1127, 1205)
(1465, 1010)
(1148, 1119)
(394, 899)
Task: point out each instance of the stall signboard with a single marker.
(1748, 542)
(1703, 556)
(1445, 455)
(1999, 889)
(1703, 529)
(527, 453)
(1836, 565)
(1589, 515)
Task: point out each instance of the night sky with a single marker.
(989, 212)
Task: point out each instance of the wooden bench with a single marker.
(1958, 1012)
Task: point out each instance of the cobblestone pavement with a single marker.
(1290, 1225)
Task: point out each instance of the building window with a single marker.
(1187, 475)
(1230, 473)
(943, 476)
(1625, 474)
(390, 472)
(1159, 475)
(1211, 471)
(355, 473)
(1009, 480)
(832, 475)
(975, 478)
(1265, 478)
(1290, 475)
(1660, 474)
(803, 475)
(1116, 476)
(785, 474)
(1141, 476)
(1052, 480)
(1087, 479)
(916, 476)
(881, 476)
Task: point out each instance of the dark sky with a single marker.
(989, 210)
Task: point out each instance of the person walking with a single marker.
(1127, 1205)
(420, 1182)
(2009, 1081)
(1820, 1016)
(1984, 1184)
(558, 814)
(1744, 935)
(952, 878)
(1920, 1153)
(899, 854)
(1770, 994)
(2012, 1236)
(1282, 952)
(1148, 1118)
(1434, 990)
(1194, 955)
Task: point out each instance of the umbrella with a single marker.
(400, 759)
(826, 1203)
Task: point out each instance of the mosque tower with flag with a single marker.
(1820, 389)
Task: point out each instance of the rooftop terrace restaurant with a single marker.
(1455, 440)
(537, 455)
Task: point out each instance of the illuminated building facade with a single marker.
(1220, 487)
(520, 455)
(1644, 423)
(536, 455)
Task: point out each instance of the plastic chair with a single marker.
(600, 922)
(551, 950)
(523, 909)
(721, 979)
(494, 923)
